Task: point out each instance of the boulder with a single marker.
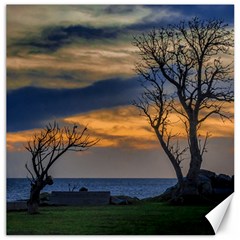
(205, 184)
(205, 188)
(211, 188)
(130, 200)
(44, 196)
(118, 201)
(123, 200)
(168, 194)
(224, 178)
(207, 173)
(189, 189)
(83, 189)
(222, 181)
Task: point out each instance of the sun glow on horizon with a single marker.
(123, 127)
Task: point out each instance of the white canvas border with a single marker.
(229, 229)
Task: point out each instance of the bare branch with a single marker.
(182, 72)
(203, 148)
(51, 143)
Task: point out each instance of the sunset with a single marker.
(79, 67)
(130, 101)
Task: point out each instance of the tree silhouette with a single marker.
(46, 148)
(182, 72)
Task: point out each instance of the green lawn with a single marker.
(140, 219)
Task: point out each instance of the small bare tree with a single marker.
(46, 148)
(186, 60)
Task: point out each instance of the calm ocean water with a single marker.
(18, 188)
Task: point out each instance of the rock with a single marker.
(123, 200)
(222, 181)
(211, 188)
(203, 178)
(224, 178)
(205, 188)
(44, 197)
(207, 173)
(189, 188)
(130, 200)
(205, 184)
(83, 189)
(118, 201)
(168, 194)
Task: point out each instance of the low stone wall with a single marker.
(79, 198)
(16, 206)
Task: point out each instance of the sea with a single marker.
(19, 188)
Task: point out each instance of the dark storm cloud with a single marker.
(63, 33)
(28, 107)
(119, 9)
(54, 37)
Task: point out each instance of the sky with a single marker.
(75, 64)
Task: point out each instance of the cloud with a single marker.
(163, 15)
(72, 66)
(174, 13)
(120, 9)
(51, 38)
(87, 15)
(117, 127)
(73, 46)
(48, 38)
(29, 107)
(55, 78)
(122, 127)
(17, 141)
(45, 29)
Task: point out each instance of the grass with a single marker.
(149, 218)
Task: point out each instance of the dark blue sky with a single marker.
(30, 107)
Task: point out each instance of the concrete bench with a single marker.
(79, 198)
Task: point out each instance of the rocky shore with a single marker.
(212, 187)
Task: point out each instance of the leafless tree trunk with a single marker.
(188, 58)
(46, 148)
(156, 106)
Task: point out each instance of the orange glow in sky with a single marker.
(123, 126)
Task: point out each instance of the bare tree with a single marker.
(184, 73)
(46, 148)
(156, 105)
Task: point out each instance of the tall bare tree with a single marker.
(183, 72)
(46, 148)
(156, 105)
